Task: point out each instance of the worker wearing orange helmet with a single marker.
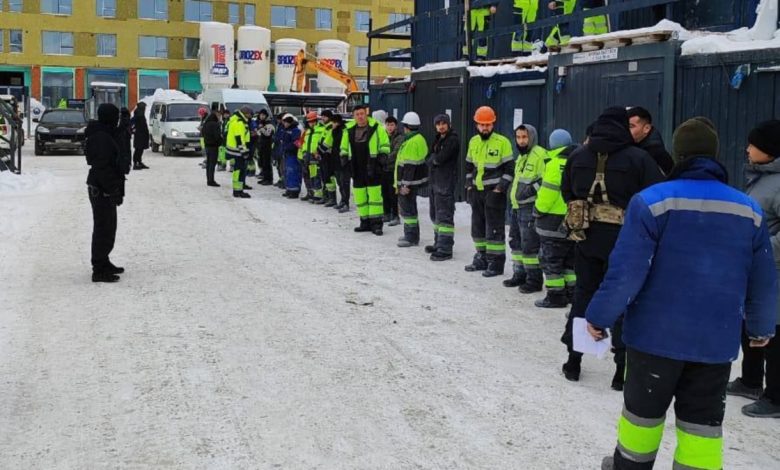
(489, 173)
(309, 158)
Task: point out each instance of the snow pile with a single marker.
(442, 66)
(489, 71)
(763, 35)
(163, 95)
(663, 26)
(11, 183)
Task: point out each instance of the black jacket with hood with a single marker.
(211, 131)
(124, 137)
(140, 127)
(103, 153)
(654, 145)
(443, 162)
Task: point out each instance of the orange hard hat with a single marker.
(311, 116)
(485, 115)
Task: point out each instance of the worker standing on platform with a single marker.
(524, 12)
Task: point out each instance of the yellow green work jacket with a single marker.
(489, 163)
(378, 140)
(529, 169)
(237, 134)
(312, 137)
(410, 167)
(549, 199)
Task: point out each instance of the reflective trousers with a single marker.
(367, 189)
(408, 207)
(442, 211)
(488, 222)
(523, 240)
(558, 264)
(239, 172)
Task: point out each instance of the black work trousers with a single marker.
(590, 266)
(409, 214)
(389, 196)
(488, 220)
(103, 231)
(699, 394)
(264, 162)
(211, 163)
(442, 212)
(138, 155)
(344, 178)
(524, 242)
(557, 263)
(753, 369)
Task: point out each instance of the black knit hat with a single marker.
(327, 114)
(696, 137)
(766, 137)
(445, 118)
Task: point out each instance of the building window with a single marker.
(55, 87)
(155, 47)
(15, 5)
(249, 14)
(105, 8)
(323, 18)
(148, 84)
(195, 10)
(362, 19)
(361, 56)
(283, 17)
(106, 45)
(57, 7)
(153, 9)
(398, 17)
(233, 13)
(57, 42)
(15, 44)
(191, 48)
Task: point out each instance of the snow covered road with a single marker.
(265, 333)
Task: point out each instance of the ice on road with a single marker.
(265, 333)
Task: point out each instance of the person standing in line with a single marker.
(647, 137)
(763, 184)
(140, 136)
(341, 164)
(443, 171)
(105, 184)
(222, 159)
(411, 174)
(265, 144)
(211, 136)
(324, 154)
(692, 261)
(124, 138)
(236, 146)
(308, 157)
(389, 190)
(489, 174)
(277, 152)
(288, 148)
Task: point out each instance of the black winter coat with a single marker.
(104, 158)
(654, 145)
(443, 162)
(124, 134)
(211, 131)
(140, 129)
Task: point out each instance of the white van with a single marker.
(234, 99)
(173, 126)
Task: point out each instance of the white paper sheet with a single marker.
(584, 342)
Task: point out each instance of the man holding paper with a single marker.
(692, 261)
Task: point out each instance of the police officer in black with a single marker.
(105, 183)
(627, 170)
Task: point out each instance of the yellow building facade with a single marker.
(56, 48)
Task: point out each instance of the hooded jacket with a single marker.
(550, 208)
(396, 139)
(691, 262)
(529, 169)
(102, 152)
(140, 127)
(653, 144)
(124, 137)
(763, 185)
(443, 162)
(211, 131)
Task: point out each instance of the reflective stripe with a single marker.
(639, 421)
(491, 181)
(526, 201)
(639, 436)
(555, 281)
(698, 451)
(701, 430)
(549, 233)
(636, 456)
(412, 163)
(494, 248)
(446, 229)
(507, 177)
(517, 256)
(530, 260)
(706, 206)
(554, 187)
(413, 183)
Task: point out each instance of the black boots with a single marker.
(241, 194)
(376, 227)
(479, 263)
(619, 378)
(114, 269)
(330, 199)
(430, 249)
(309, 195)
(533, 282)
(140, 166)
(440, 256)
(365, 226)
(495, 268)
(571, 368)
(517, 279)
(213, 184)
(104, 276)
(554, 299)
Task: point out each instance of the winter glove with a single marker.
(116, 199)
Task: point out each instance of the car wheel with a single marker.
(39, 150)
(166, 148)
(155, 147)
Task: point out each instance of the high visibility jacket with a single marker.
(478, 18)
(311, 141)
(237, 134)
(529, 170)
(489, 163)
(593, 25)
(410, 167)
(378, 140)
(549, 199)
(326, 138)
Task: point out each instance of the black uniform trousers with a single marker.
(557, 259)
(211, 162)
(590, 265)
(264, 161)
(103, 230)
(408, 205)
(344, 179)
(652, 382)
(138, 155)
(442, 212)
(524, 242)
(488, 222)
(753, 370)
(389, 196)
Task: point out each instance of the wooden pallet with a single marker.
(595, 44)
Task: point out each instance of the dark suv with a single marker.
(61, 129)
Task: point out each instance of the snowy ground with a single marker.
(264, 333)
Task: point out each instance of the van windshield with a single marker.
(255, 107)
(183, 112)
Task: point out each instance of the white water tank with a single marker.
(286, 50)
(335, 53)
(216, 55)
(253, 60)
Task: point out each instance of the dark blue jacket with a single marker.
(691, 262)
(289, 137)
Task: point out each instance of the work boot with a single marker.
(104, 276)
(365, 226)
(221, 167)
(265, 183)
(331, 200)
(440, 256)
(319, 201)
(344, 209)
(280, 184)
(376, 227)
(340, 205)
(554, 299)
(763, 408)
(533, 282)
(517, 279)
(404, 243)
(141, 166)
(394, 221)
(738, 388)
(608, 463)
(430, 249)
(479, 263)
(241, 194)
(571, 368)
(246, 186)
(308, 196)
(114, 269)
(619, 379)
(386, 218)
(213, 184)
(495, 268)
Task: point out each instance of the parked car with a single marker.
(173, 126)
(60, 130)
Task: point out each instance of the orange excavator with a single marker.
(304, 63)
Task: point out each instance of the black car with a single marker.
(61, 129)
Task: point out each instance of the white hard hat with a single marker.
(411, 119)
(380, 115)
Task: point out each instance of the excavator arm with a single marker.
(303, 63)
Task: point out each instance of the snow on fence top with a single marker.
(763, 35)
